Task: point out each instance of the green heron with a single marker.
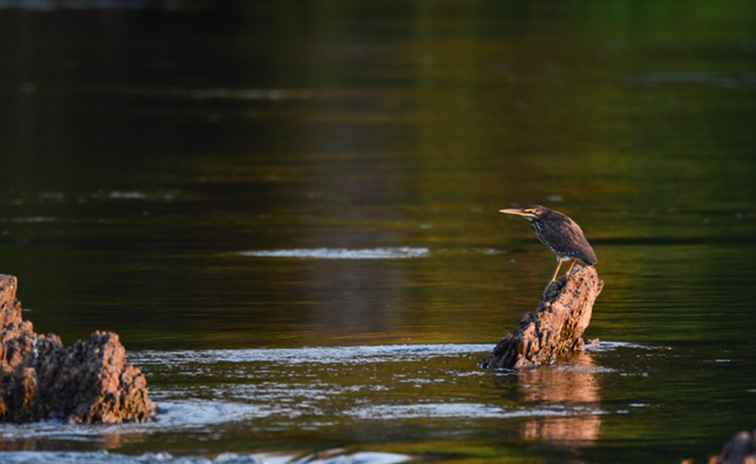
(558, 232)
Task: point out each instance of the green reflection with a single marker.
(145, 149)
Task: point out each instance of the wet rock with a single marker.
(90, 381)
(556, 328)
(741, 449)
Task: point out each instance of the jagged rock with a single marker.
(90, 381)
(556, 328)
(741, 449)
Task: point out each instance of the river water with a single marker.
(288, 212)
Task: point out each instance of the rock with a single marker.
(90, 381)
(556, 328)
(741, 449)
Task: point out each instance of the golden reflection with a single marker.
(114, 440)
(570, 385)
(105, 441)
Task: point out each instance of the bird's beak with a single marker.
(516, 212)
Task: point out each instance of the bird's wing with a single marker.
(570, 241)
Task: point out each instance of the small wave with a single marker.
(461, 410)
(339, 354)
(468, 251)
(70, 457)
(134, 195)
(196, 413)
(314, 355)
(604, 346)
(342, 253)
(34, 220)
(173, 415)
(578, 369)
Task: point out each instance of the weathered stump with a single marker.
(556, 328)
(90, 381)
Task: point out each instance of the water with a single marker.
(288, 212)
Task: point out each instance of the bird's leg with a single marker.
(571, 266)
(559, 264)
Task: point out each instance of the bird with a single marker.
(559, 233)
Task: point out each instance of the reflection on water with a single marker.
(312, 391)
(575, 383)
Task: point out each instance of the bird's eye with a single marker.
(530, 211)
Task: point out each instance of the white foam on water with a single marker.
(342, 253)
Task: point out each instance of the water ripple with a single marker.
(343, 253)
(172, 415)
(340, 354)
(310, 355)
(604, 346)
(461, 410)
(46, 457)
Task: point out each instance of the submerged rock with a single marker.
(741, 449)
(90, 381)
(556, 328)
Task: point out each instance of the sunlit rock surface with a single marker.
(90, 381)
(556, 328)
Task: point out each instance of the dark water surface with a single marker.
(288, 212)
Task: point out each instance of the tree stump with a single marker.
(556, 328)
(90, 381)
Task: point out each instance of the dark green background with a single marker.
(144, 148)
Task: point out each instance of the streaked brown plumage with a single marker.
(558, 232)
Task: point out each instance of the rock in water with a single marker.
(741, 449)
(90, 381)
(556, 328)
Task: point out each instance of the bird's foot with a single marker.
(553, 288)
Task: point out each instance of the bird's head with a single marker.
(531, 213)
